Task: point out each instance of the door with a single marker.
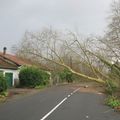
(9, 78)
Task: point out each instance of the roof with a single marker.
(5, 64)
(13, 62)
(16, 60)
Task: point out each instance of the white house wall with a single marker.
(15, 74)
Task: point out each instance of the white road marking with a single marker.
(58, 105)
(54, 109)
(109, 110)
(87, 117)
(75, 90)
(69, 95)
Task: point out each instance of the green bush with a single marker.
(66, 75)
(3, 84)
(33, 76)
(112, 101)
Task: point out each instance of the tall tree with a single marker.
(112, 35)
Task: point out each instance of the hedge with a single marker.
(33, 76)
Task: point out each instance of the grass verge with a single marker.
(113, 102)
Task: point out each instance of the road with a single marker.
(58, 103)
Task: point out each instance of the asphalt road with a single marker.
(58, 103)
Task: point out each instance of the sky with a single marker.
(18, 16)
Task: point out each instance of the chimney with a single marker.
(4, 50)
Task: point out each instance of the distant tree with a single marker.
(112, 36)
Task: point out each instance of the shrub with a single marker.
(66, 75)
(33, 76)
(3, 84)
(113, 101)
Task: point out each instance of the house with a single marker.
(10, 66)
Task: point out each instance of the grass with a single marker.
(3, 96)
(113, 101)
(40, 87)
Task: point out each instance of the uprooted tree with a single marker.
(91, 58)
(58, 48)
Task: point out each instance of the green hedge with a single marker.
(33, 76)
(3, 83)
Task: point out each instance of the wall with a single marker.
(15, 74)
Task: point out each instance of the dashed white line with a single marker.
(54, 109)
(69, 95)
(58, 105)
(76, 90)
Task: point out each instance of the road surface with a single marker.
(58, 103)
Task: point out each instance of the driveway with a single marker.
(58, 103)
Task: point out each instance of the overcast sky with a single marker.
(17, 16)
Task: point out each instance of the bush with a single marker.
(33, 76)
(113, 101)
(3, 84)
(66, 75)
